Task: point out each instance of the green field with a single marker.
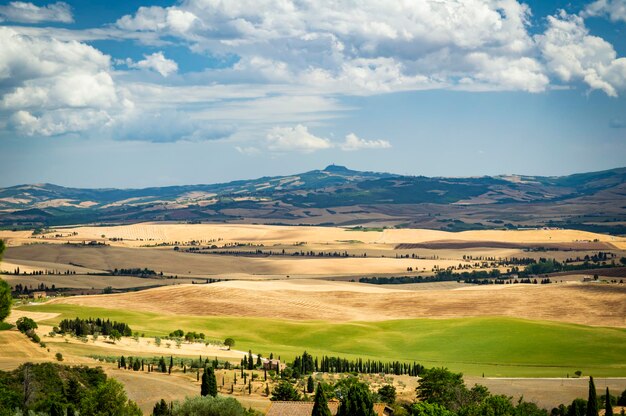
(493, 346)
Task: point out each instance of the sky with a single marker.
(128, 94)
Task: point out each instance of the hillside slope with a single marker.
(339, 196)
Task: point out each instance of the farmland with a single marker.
(284, 290)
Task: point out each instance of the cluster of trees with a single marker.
(136, 271)
(81, 327)
(190, 336)
(306, 364)
(58, 390)
(526, 281)
(21, 289)
(267, 253)
(354, 396)
(17, 271)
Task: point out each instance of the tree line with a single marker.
(306, 364)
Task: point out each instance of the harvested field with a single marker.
(96, 282)
(16, 348)
(463, 245)
(155, 233)
(588, 304)
(171, 262)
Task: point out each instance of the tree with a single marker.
(320, 406)
(310, 386)
(441, 386)
(387, 394)
(108, 399)
(577, 408)
(169, 370)
(208, 387)
(621, 401)
(115, 335)
(284, 392)
(428, 409)
(161, 409)
(25, 324)
(592, 401)
(5, 299)
(357, 402)
(607, 404)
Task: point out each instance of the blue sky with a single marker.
(136, 93)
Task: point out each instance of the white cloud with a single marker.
(573, 54)
(614, 9)
(22, 12)
(358, 47)
(54, 87)
(353, 142)
(159, 19)
(298, 138)
(155, 62)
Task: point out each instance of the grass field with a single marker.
(493, 346)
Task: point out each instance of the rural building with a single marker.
(39, 295)
(306, 409)
(275, 365)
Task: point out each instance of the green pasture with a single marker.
(495, 347)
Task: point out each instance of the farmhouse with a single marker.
(273, 365)
(39, 295)
(306, 409)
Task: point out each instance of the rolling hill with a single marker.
(339, 196)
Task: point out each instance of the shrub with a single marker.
(25, 324)
(209, 406)
(59, 356)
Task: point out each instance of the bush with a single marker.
(209, 406)
(25, 324)
(59, 356)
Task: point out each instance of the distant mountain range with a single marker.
(339, 196)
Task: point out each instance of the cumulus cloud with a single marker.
(22, 12)
(573, 54)
(52, 87)
(353, 142)
(159, 19)
(613, 9)
(155, 62)
(298, 138)
(359, 47)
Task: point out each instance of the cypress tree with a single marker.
(309, 385)
(592, 401)
(212, 382)
(169, 371)
(204, 386)
(357, 402)
(320, 407)
(607, 405)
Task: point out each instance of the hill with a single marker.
(339, 196)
